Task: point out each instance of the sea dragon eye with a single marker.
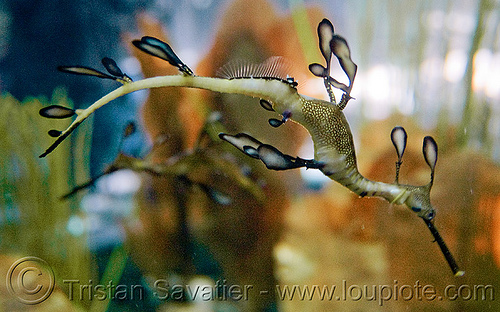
(430, 215)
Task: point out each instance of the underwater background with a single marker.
(285, 239)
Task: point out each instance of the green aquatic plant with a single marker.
(333, 142)
(33, 220)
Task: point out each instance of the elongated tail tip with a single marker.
(444, 249)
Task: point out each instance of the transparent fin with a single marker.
(274, 67)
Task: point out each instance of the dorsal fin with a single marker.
(275, 67)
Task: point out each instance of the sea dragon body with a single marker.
(334, 152)
(326, 123)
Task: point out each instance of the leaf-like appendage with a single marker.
(399, 138)
(274, 159)
(54, 133)
(275, 122)
(430, 150)
(157, 48)
(162, 50)
(111, 67)
(56, 111)
(318, 70)
(338, 85)
(325, 34)
(242, 141)
(83, 70)
(342, 52)
(266, 105)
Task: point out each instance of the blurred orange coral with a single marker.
(241, 235)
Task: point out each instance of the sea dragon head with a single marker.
(419, 201)
(417, 198)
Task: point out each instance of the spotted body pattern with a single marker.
(325, 121)
(328, 126)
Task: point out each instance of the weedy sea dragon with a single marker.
(334, 153)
